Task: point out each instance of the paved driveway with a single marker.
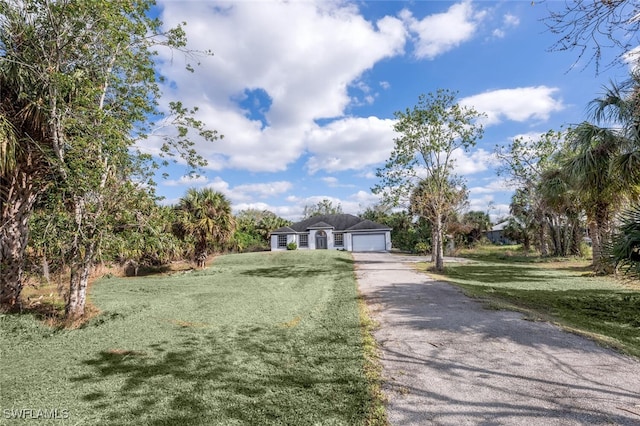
(449, 361)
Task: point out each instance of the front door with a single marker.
(321, 240)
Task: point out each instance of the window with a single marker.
(304, 240)
(282, 240)
(338, 240)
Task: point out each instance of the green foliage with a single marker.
(204, 217)
(260, 338)
(406, 232)
(422, 248)
(79, 86)
(323, 207)
(292, 246)
(253, 228)
(429, 134)
(624, 251)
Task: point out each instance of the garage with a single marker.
(369, 242)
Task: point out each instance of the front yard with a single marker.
(563, 291)
(263, 338)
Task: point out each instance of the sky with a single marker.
(305, 92)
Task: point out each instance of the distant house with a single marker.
(333, 232)
(496, 235)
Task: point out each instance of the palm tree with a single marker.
(625, 249)
(205, 217)
(605, 167)
(564, 210)
(24, 146)
(600, 184)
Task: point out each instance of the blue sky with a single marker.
(304, 92)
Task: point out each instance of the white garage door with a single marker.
(369, 242)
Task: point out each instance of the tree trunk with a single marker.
(81, 257)
(595, 241)
(78, 286)
(576, 237)
(542, 236)
(14, 233)
(603, 229)
(438, 250)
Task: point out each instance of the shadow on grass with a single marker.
(285, 272)
(498, 273)
(297, 272)
(250, 376)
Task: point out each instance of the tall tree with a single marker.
(524, 162)
(600, 184)
(429, 136)
(605, 167)
(78, 86)
(438, 204)
(205, 217)
(596, 27)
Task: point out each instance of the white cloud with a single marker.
(186, 180)
(519, 104)
(441, 32)
(473, 162)
(334, 182)
(248, 192)
(303, 55)
(220, 185)
(511, 20)
(350, 143)
(494, 186)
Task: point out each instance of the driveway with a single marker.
(449, 361)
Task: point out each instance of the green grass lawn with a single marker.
(263, 338)
(562, 291)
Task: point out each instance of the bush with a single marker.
(422, 248)
(292, 246)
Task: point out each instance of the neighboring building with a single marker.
(496, 235)
(333, 231)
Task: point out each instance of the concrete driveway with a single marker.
(449, 361)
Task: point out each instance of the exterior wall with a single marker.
(274, 241)
(347, 240)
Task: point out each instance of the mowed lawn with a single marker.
(263, 338)
(564, 292)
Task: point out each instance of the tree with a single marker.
(600, 185)
(525, 162)
(253, 228)
(78, 86)
(438, 204)
(323, 207)
(476, 223)
(624, 251)
(597, 26)
(429, 136)
(605, 165)
(204, 216)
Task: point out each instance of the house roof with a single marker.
(339, 222)
(367, 224)
(321, 225)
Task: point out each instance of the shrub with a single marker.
(292, 246)
(422, 248)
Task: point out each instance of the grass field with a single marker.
(558, 290)
(263, 338)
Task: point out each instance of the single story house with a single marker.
(333, 231)
(496, 235)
